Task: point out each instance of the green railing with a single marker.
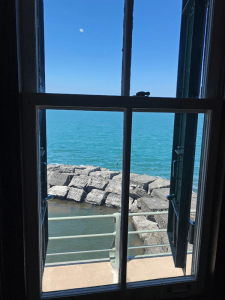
(114, 251)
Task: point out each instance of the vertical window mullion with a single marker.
(127, 45)
(125, 91)
(41, 52)
(125, 197)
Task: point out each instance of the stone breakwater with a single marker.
(100, 186)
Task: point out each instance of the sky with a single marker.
(84, 41)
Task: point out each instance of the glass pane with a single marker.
(84, 176)
(155, 46)
(151, 152)
(84, 158)
(83, 46)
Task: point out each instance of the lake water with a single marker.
(59, 208)
(96, 138)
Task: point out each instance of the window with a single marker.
(34, 105)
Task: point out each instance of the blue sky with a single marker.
(89, 62)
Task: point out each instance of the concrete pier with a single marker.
(96, 274)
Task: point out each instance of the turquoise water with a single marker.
(96, 138)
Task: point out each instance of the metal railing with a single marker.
(114, 251)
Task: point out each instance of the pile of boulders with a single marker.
(100, 186)
(94, 185)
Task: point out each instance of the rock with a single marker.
(193, 201)
(162, 220)
(154, 238)
(153, 204)
(87, 166)
(76, 194)
(114, 186)
(96, 183)
(194, 195)
(141, 223)
(81, 171)
(53, 168)
(87, 170)
(81, 167)
(104, 169)
(104, 174)
(158, 184)
(193, 205)
(161, 193)
(114, 200)
(134, 208)
(92, 169)
(66, 169)
(119, 177)
(132, 186)
(152, 241)
(79, 182)
(162, 238)
(96, 197)
(133, 175)
(58, 192)
(142, 181)
(138, 203)
(138, 193)
(156, 204)
(56, 178)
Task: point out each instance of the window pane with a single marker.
(155, 46)
(83, 46)
(151, 152)
(84, 175)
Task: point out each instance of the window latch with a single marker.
(171, 197)
(142, 94)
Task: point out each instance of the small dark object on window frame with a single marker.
(142, 94)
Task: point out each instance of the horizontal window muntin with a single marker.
(119, 103)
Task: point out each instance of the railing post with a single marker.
(114, 253)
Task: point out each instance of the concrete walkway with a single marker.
(96, 274)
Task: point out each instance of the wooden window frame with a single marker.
(31, 103)
(31, 99)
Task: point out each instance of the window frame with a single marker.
(32, 88)
(30, 105)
